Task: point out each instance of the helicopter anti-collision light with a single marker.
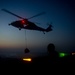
(23, 22)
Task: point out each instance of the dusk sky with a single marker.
(60, 12)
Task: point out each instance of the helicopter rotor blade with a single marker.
(20, 16)
(37, 23)
(37, 15)
(12, 13)
(50, 24)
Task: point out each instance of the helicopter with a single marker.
(24, 23)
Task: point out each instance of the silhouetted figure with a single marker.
(53, 54)
(27, 50)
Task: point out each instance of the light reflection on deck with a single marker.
(73, 53)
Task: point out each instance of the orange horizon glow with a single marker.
(11, 45)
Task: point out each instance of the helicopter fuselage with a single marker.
(25, 24)
(29, 25)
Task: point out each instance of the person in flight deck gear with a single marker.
(53, 54)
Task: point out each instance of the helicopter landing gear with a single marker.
(44, 32)
(19, 28)
(9, 24)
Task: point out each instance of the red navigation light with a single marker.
(23, 22)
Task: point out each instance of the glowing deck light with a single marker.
(27, 59)
(62, 54)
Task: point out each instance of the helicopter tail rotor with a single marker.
(49, 27)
